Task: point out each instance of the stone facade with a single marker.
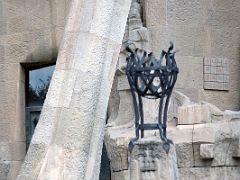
(206, 141)
(67, 143)
(26, 37)
(205, 134)
(200, 29)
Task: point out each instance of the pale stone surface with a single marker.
(67, 142)
(14, 169)
(123, 83)
(4, 169)
(25, 36)
(186, 132)
(206, 151)
(125, 110)
(204, 132)
(136, 33)
(122, 175)
(231, 115)
(236, 150)
(216, 114)
(206, 147)
(209, 144)
(155, 12)
(148, 160)
(116, 140)
(193, 114)
(31, 31)
(213, 173)
(199, 29)
(185, 156)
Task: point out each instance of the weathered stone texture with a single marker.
(67, 142)
(193, 114)
(199, 29)
(32, 30)
(155, 12)
(185, 151)
(215, 173)
(206, 151)
(4, 169)
(124, 174)
(148, 160)
(116, 141)
(189, 78)
(206, 139)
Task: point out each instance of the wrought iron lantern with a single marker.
(151, 78)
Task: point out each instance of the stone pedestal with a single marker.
(149, 161)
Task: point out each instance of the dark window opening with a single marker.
(105, 172)
(38, 80)
(37, 83)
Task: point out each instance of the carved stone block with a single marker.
(216, 73)
(193, 114)
(206, 151)
(236, 150)
(149, 161)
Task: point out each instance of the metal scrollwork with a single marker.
(151, 78)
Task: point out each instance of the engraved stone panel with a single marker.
(216, 74)
(148, 160)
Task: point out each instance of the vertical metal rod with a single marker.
(141, 113)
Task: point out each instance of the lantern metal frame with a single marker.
(151, 78)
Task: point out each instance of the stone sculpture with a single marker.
(149, 161)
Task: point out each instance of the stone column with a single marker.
(67, 142)
(149, 161)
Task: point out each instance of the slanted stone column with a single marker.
(149, 161)
(67, 142)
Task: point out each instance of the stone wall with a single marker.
(206, 33)
(67, 142)
(30, 32)
(206, 141)
(200, 29)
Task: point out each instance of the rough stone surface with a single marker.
(25, 37)
(4, 169)
(206, 151)
(236, 150)
(231, 115)
(193, 114)
(116, 141)
(200, 29)
(31, 31)
(148, 160)
(213, 173)
(185, 155)
(211, 146)
(68, 139)
(120, 175)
